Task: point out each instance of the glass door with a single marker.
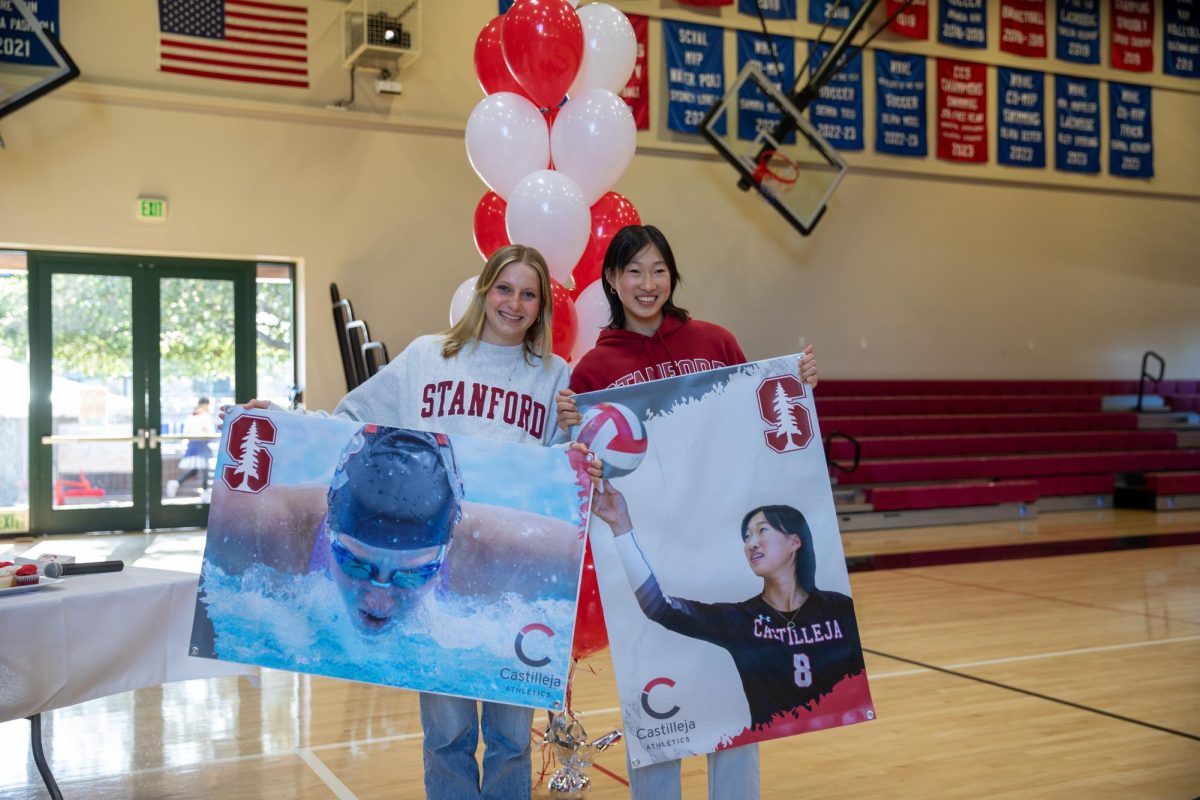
(124, 352)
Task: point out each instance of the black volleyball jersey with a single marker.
(782, 666)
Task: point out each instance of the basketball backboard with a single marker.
(794, 173)
(32, 61)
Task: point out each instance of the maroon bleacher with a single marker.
(952, 444)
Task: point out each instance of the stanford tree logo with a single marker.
(246, 447)
(780, 407)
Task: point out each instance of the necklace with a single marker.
(791, 621)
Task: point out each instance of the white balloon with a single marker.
(548, 211)
(507, 138)
(462, 299)
(593, 141)
(609, 50)
(593, 313)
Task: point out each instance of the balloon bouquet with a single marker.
(550, 138)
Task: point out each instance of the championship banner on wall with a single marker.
(722, 477)
(1023, 27)
(837, 110)
(962, 23)
(756, 113)
(1131, 131)
(912, 22)
(770, 9)
(445, 564)
(837, 12)
(1021, 127)
(1077, 31)
(1132, 35)
(961, 111)
(1181, 38)
(695, 74)
(636, 92)
(19, 44)
(900, 104)
(1077, 124)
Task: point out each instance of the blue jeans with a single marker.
(732, 775)
(451, 726)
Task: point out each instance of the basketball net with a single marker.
(775, 171)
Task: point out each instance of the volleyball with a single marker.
(615, 434)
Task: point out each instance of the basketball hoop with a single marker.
(776, 169)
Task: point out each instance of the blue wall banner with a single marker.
(900, 91)
(1131, 135)
(18, 44)
(962, 23)
(505, 5)
(837, 110)
(755, 111)
(1181, 38)
(771, 9)
(695, 74)
(1077, 30)
(1077, 124)
(818, 9)
(1021, 123)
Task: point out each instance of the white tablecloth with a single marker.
(96, 635)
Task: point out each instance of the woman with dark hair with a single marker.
(648, 338)
(791, 643)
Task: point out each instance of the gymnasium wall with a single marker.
(921, 270)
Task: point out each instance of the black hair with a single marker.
(791, 522)
(629, 241)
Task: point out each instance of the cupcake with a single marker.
(26, 575)
(7, 571)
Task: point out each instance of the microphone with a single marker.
(56, 570)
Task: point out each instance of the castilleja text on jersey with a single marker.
(458, 398)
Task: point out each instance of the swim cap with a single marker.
(396, 488)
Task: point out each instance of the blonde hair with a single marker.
(539, 338)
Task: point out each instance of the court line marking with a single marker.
(339, 789)
(1038, 695)
(1049, 598)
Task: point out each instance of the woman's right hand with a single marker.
(250, 406)
(568, 413)
(609, 505)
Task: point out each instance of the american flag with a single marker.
(234, 40)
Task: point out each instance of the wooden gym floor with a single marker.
(1067, 676)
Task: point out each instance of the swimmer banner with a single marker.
(728, 608)
(446, 564)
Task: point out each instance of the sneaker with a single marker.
(172, 488)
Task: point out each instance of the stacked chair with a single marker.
(361, 357)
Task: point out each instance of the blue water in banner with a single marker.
(695, 74)
(1131, 137)
(962, 23)
(1021, 123)
(818, 9)
(1181, 38)
(900, 92)
(771, 9)
(18, 44)
(837, 111)
(755, 111)
(1077, 124)
(1077, 31)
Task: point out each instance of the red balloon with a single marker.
(490, 233)
(542, 41)
(490, 67)
(609, 214)
(565, 323)
(590, 634)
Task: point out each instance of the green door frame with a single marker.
(145, 272)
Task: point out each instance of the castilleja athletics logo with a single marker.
(780, 407)
(519, 644)
(246, 446)
(649, 687)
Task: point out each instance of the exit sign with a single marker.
(151, 209)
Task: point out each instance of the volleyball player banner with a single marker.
(446, 564)
(962, 23)
(911, 22)
(756, 113)
(729, 610)
(1077, 31)
(1023, 27)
